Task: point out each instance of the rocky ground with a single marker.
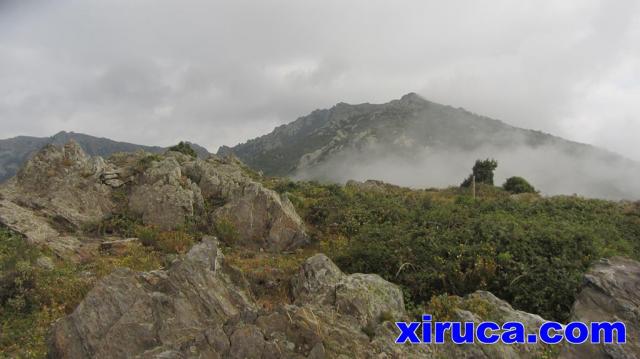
(202, 305)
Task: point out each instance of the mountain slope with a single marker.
(415, 142)
(17, 150)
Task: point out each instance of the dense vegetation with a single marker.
(530, 250)
(518, 185)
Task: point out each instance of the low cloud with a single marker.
(551, 170)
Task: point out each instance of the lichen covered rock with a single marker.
(610, 292)
(163, 196)
(128, 313)
(62, 183)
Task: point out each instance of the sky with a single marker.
(221, 72)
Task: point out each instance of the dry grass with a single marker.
(269, 274)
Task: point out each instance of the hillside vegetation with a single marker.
(528, 250)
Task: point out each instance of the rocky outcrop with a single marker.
(163, 196)
(367, 297)
(177, 187)
(62, 183)
(157, 313)
(36, 229)
(610, 292)
(61, 189)
(53, 195)
(262, 218)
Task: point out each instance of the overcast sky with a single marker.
(213, 72)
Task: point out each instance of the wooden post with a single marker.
(473, 186)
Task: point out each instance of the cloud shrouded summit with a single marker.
(415, 142)
(213, 72)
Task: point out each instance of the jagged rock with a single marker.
(611, 292)
(62, 182)
(164, 197)
(316, 281)
(128, 314)
(364, 296)
(487, 307)
(247, 342)
(219, 179)
(262, 218)
(368, 297)
(38, 231)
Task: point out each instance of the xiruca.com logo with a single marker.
(428, 332)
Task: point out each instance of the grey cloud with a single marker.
(218, 72)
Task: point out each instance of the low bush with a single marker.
(226, 231)
(184, 148)
(518, 185)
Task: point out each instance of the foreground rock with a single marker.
(201, 308)
(611, 292)
(367, 297)
(148, 314)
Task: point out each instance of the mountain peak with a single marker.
(411, 95)
(412, 98)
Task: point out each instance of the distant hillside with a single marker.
(415, 142)
(15, 151)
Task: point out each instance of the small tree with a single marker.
(184, 147)
(483, 172)
(518, 185)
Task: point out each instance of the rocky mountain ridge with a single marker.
(14, 152)
(415, 142)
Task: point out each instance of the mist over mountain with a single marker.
(415, 142)
(17, 150)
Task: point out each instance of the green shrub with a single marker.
(185, 148)
(518, 185)
(145, 162)
(174, 241)
(147, 235)
(121, 224)
(226, 231)
(168, 242)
